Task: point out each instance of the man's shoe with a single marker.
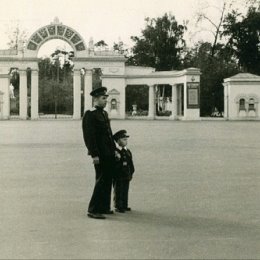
(120, 210)
(96, 215)
(108, 212)
(128, 209)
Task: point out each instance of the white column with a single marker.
(185, 100)
(5, 105)
(225, 101)
(23, 94)
(151, 112)
(76, 95)
(122, 102)
(174, 102)
(35, 95)
(87, 90)
(179, 93)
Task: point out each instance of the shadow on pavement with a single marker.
(197, 224)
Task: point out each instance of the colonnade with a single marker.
(77, 95)
(23, 102)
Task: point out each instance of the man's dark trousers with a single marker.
(101, 197)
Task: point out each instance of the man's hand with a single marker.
(96, 160)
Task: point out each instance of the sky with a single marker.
(108, 20)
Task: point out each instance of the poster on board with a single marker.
(193, 95)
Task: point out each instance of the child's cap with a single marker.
(120, 134)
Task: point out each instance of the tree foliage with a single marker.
(137, 95)
(243, 33)
(55, 84)
(96, 78)
(16, 35)
(121, 48)
(160, 45)
(100, 43)
(214, 70)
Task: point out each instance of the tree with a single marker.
(214, 70)
(253, 3)
(16, 35)
(215, 25)
(55, 80)
(121, 48)
(215, 60)
(14, 78)
(96, 78)
(101, 44)
(137, 95)
(160, 45)
(243, 33)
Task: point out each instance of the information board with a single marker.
(193, 95)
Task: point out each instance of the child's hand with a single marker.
(96, 160)
(117, 155)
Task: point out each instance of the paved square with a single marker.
(195, 193)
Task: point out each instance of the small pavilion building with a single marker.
(241, 97)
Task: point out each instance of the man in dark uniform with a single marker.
(98, 138)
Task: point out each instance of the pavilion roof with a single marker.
(243, 77)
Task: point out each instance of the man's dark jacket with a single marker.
(97, 133)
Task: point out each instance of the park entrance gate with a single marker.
(115, 76)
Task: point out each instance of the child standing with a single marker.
(124, 172)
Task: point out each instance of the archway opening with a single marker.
(55, 80)
(15, 89)
(14, 92)
(137, 101)
(163, 100)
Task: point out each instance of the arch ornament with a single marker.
(246, 97)
(241, 96)
(56, 30)
(253, 96)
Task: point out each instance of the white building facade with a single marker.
(115, 76)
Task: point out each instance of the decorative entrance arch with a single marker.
(55, 30)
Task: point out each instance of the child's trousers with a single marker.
(121, 188)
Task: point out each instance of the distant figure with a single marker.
(168, 104)
(134, 113)
(11, 91)
(124, 172)
(98, 138)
